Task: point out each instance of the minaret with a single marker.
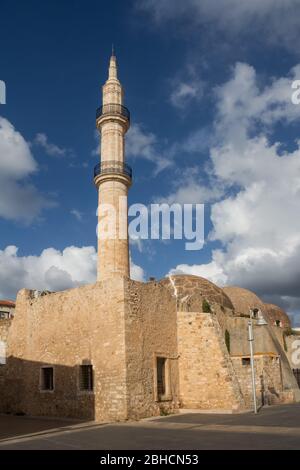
(112, 178)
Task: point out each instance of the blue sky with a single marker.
(208, 87)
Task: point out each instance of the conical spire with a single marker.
(113, 69)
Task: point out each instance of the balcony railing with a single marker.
(112, 167)
(116, 109)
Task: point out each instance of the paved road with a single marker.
(274, 428)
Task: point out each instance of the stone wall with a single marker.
(64, 330)
(4, 329)
(269, 386)
(267, 340)
(151, 331)
(206, 375)
(121, 327)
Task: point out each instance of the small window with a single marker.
(246, 361)
(86, 382)
(47, 382)
(278, 323)
(2, 353)
(255, 312)
(4, 315)
(161, 377)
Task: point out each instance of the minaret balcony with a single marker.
(113, 110)
(112, 168)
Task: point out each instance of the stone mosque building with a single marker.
(121, 349)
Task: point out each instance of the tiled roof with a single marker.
(7, 303)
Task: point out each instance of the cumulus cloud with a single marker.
(193, 192)
(51, 270)
(277, 21)
(136, 272)
(258, 222)
(19, 200)
(16, 158)
(210, 271)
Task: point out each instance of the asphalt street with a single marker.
(275, 427)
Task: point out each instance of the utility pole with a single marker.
(251, 339)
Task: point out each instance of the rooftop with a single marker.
(7, 303)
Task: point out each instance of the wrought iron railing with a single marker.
(114, 167)
(117, 109)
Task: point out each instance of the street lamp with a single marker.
(260, 322)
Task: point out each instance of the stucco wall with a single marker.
(238, 330)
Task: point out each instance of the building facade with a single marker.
(121, 349)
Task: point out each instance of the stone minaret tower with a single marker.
(113, 178)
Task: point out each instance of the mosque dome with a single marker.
(276, 316)
(196, 288)
(243, 300)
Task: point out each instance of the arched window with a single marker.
(255, 312)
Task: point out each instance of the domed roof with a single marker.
(188, 285)
(243, 299)
(276, 316)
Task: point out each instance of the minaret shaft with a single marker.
(112, 142)
(113, 179)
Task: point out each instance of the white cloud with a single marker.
(77, 214)
(51, 149)
(96, 152)
(258, 223)
(19, 200)
(242, 103)
(143, 144)
(277, 21)
(136, 272)
(185, 92)
(197, 141)
(210, 271)
(51, 270)
(16, 159)
(193, 192)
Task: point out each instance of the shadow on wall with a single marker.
(45, 389)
